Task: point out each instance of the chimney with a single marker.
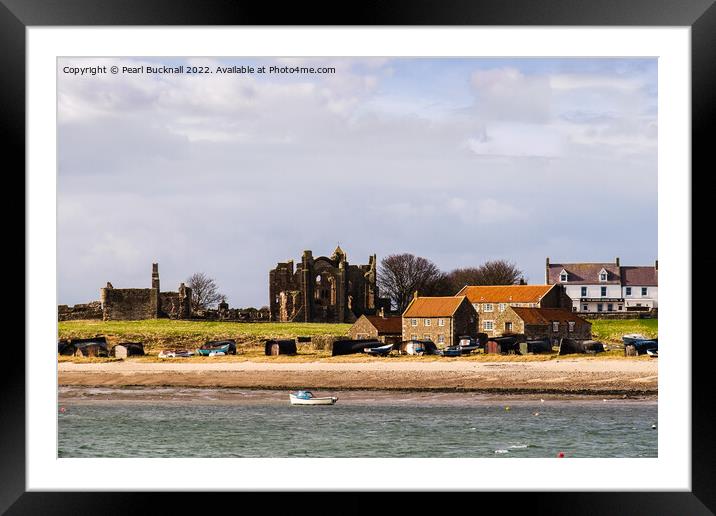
(656, 264)
(415, 295)
(617, 261)
(522, 281)
(155, 276)
(546, 272)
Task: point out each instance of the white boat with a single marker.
(307, 398)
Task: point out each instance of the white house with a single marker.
(606, 287)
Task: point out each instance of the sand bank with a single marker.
(587, 376)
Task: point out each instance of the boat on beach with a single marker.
(217, 347)
(307, 398)
(175, 353)
(381, 351)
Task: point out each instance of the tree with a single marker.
(204, 291)
(400, 275)
(496, 272)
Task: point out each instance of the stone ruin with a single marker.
(145, 303)
(324, 289)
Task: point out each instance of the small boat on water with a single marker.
(307, 398)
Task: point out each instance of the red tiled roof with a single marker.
(505, 293)
(386, 325)
(584, 272)
(542, 316)
(640, 276)
(433, 306)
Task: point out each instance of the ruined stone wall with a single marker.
(91, 310)
(127, 304)
(176, 305)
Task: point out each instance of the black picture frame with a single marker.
(699, 15)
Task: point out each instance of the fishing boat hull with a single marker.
(295, 400)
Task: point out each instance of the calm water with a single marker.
(163, 422)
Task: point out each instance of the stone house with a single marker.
(379, 327)
(491, 301)
(442, 320)
(542, 323)
(606, 287)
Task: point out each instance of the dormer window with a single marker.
(563, 276)
(603, 275)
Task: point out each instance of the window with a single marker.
(555, 326)
(488, 325)
(441, 338)
(604, 291)
(585, 308)
(487, 307)
(584, 292)
(413, 322)
(644, 290)
(413, 337)
(571, 326)
(563, 277)
(427, 336)
(602, 275)
(501, 307)
(620, 307)
(628, 291)
(610, 307)
(427, 322)
(441, 322)
(508, 326)
(362, 336)
(600, 307)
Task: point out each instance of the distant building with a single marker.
(542, 323)
(324, 289)
(145, 303)
(606, 287)
(379, 327)
(439, 319)
(492, 301)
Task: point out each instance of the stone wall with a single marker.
(124, 304)
(363, 329)
(91, 310)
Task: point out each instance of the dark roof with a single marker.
(543, 316)
(584, 272)
(640, 276)
(386, 325)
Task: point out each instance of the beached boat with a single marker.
(451, 351)
(381, 351)
(307, 398)
(654, 353)
(632, 338)
(175, 353)
(214, 347)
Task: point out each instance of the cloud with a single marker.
(230, 174)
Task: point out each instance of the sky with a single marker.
(457, 160)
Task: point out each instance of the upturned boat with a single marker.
(307, 398)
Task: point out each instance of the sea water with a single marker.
(179, 422)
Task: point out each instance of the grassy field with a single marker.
(611, 331)
(157, 334)
(161, 333)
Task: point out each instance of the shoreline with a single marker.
(564, 377)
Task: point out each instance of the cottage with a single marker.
(544, 323)
(606, 287)
(491, 301)
(443, 320)
(378, 327)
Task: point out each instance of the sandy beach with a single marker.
(583, 376)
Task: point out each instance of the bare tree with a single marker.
(204, 291)
(496, 272)
(400, 275)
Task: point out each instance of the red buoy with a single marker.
(561, 455)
